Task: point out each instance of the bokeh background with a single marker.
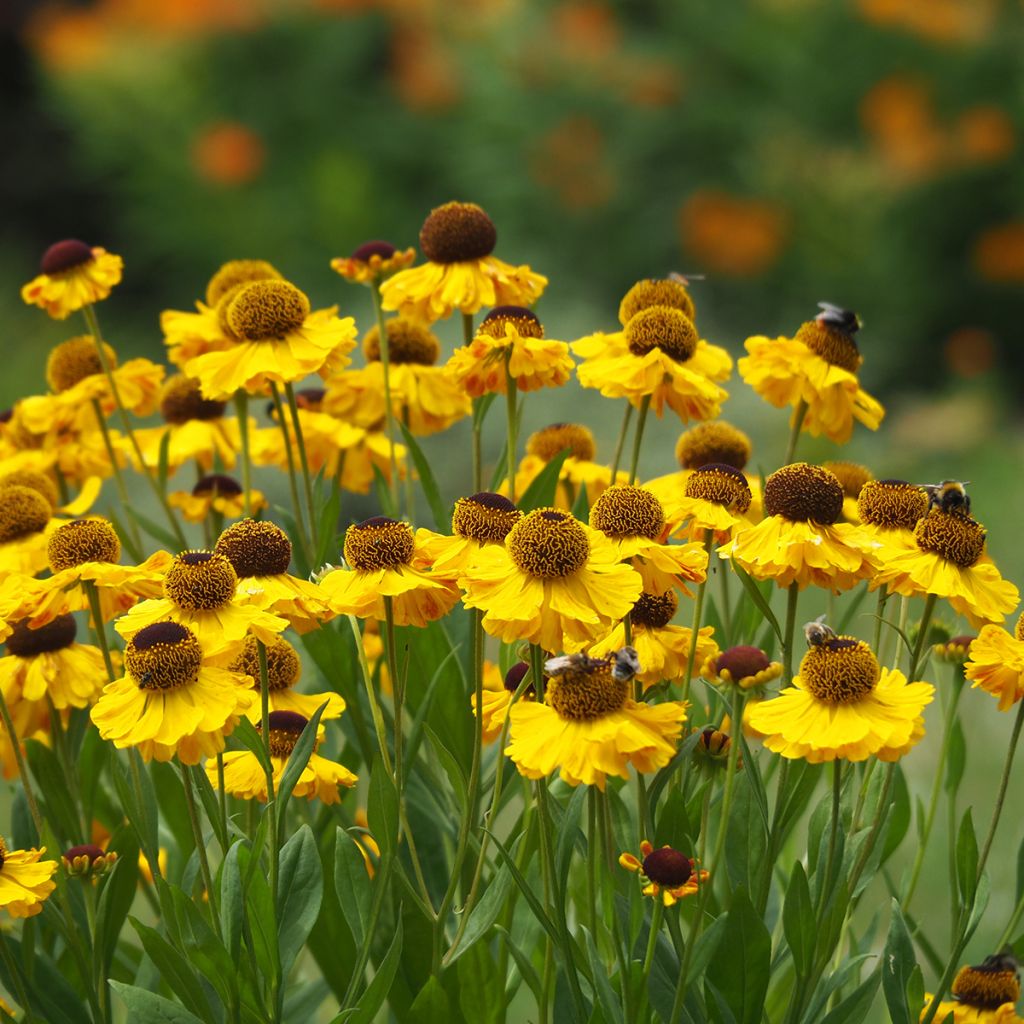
(866, 152)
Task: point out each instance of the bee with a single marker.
(949, 496)
(998, 962)
(684, 279)
(624, 664)
(844, 320)
(817, 632)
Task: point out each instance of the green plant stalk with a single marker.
(511, 394)
(273, 836)
(799, 413)
(197, 832)
(67, 764)
(14, 969)
(698, 612)
(293, 486)
(922, 633)
(611, 862)
(833, 835)
(620, 444)
(883, 595)
(384, 344)
(307, 480)
(652, 945)
(379, 891)
(94, 329)
(242, 415)
(641, 422)
(789, 633)
(724, 571)
(132, 539)
(96, 611)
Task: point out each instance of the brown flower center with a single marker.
(267, 310)
(235, 273)
(379, 543)
(833, 345)
(804, 493)
(627, 511)
(667, 867)
(742, 662)
(22, 511)
(654, 611)
(285, 729)
(582, 694)
(217, 485)
(514, 677)
(65, 255)
(182, 400)
(957, 538)
(548, 544)
(82, 540)
(550, 441)
(255, 548)
(525, 322)
(40, 482)
(655, 292)
(891, 504)
(456, 232)
(485, 517)
(664, 328)
(283, 663)
(163, 656)
(200, 581)
(409, 341)
(75, 359)
(721, 484)
(54, 636)
(385, 250)
(851, 476)
(841, 670)
(713, 442)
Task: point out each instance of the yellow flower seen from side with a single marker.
(26, 524)
(716, 497)
(478, 521)
(744, 666)
(373, 261)
(996, 663)
(26, 880)
(215, 493)
(496, 698)
(72, 275)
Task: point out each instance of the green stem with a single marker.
(96, 611)
(273, 837)
(789, 634)
(197, 832)
(511, 393)
(307, 480)
(883, 594)
(14, 970)
(833, 836)
(379, 891)
(794, 435)
(620, 445)
(292, 476)
(922, 633)
(132, 540)
(652, 945)
(724, 567)
(698, 611)
(384, 344)
(641, 422)
(242, 414)
(1004, 781)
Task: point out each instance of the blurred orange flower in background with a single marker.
(423, 70)
(898, 115)
(732, 235)
(585, 31)
(941, 21)
(571, 161)
(969, 352)
(228, 153)
(984, 134)
(999, 253)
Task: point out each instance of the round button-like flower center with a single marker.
(3, 851)
(804, 493)
(891, 504)
(957, 538)
(163, 656)
(379, 543)
(851, 476)
(235, 273)
(485, 517)
(182, 400)
(525, 322)
(550, 441)
(75, 359)
(88, 850)
(409, 341)
(1018, 630)
(515, 675)
(548, 544)
(54, 636)
(22, 511)
(668, 868)
(82, 540)
(267, 310)
(255, 548)
(833, 345)
(200, 581)
(216, 485)
(309, 398)
(456, 232)
(655, 292)
(626, 511)
(987, 987)
(662, 327)
(582, 695)
(285, 729)
(713, 442)
(283, 663)
(65, 255)
(721, 484)
(40, 482)
(385, 250)
(654, 611)
(841, 670)
(742, 662)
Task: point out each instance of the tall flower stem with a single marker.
(242, 415)
(794, 435)
(200, 841)
(641, 422)
(307, 480)
(833, 835)
(385, 364)
(94, 329)
(293, 486)
(274, 838)
(96, 611)
(789, 632)
(698, 612)
(132, 539)
(883, 594)
(620, 444)
(922, 634)
(511, 394)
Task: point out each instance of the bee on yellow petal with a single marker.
(986, 993)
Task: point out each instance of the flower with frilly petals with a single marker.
(25, 880)
(996, 663)
(215, 493)
(983, 994)
(73, 275)
(668, 874)
(373, 261)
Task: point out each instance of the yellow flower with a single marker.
(73, 275)
(457, 240)
(217, 493)
(373, 261)
(382, 554)
(47, 663)
(996, 663)
(669, 874)
(888, 511)
(983, 994)
(716, 497)
(662, 649)
(817, 366)
(26, 523)
(496, 698)
(588, 727)
(842, 705)
(653, 291)
(25, 880)
(852, 478)
(16, 471)
(744, 666)
(479, 521)
(800, 540)
(199, 593)
(278, 341)
(320, 779)
(661, 359)
(171, 699)
(510, 342)
(554, 582)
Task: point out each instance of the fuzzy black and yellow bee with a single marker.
(949, 496)
(844, 320)
(818, 631)
(624, 664)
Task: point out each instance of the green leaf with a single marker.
(899, 820)
(569, 833)
(146, 1007)
(527, 890)
(50, 996)
(855, 1008)
(297, 761)
(431, 1004)
(581, 506)
(382, 807)
(452, 768)
(141, 812)
(180, 975)
(606, 998)
(758, 598)
(232, 906)
(967, 859)
(742, 976)
(155, 531)
(956, 759)
(162, 461)
(486, 912)
(208, 796)
(481, 989)
(300, 891)
(541, 491)
(851, 610)
(898, 965)
(352, 884)
(58, 805)
(384, 496)
(442, 519)
(116, 900)
(798, 921)
(377, 991)
(245, 732)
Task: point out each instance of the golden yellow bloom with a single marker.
(588, 727)
(649, 292)
(26, 523)
(510, 342)
(278, 340)
(384, 563)
(458, 240)
(73, 275)
(25, 880)
(373, 261)
(889, 511)
(320, 779)
(817, 366)
(217, 493)
(852, 477)
(554, 582)
(996, 664)
(800, 539)
(984, 994)
(842, 705)
(661, 359)
(662, 649)
(171, 699)
(47, 663)
(667, 873)
(16, 471)
(496, 698)
(744, 666)
(479, 521)
(715, 497)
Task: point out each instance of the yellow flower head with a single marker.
(384, 564)
(497, 697)
(843, 705)
(743, 666)
(510, 342)
(73, 275)
(373, 261)
(589, 727)
(649, 292)
(215, 493)
(983, 994)
(713, 442)
(996, 663)
(478, 520)
(715, 497)
(25, 880)
(666, 873)
(554, 582)
(26, 523)
(461, 274)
